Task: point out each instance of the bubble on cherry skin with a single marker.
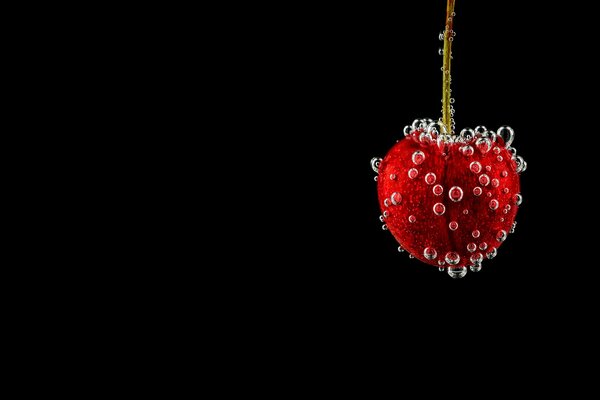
(439, 209)
(412, 173)
(375, 163)
(505, 190)
(381, 218)
(507, 134)
(504, 174)
(520, 164)
(453, 225)
(412, 219)
(495, 182)
(375, 179)
(494, 204)
(477, 258)
(407, 130)
(386, 202)
(499, 158)
(392, 176)
(488, 168)
(483, 144)
(429, 253)
(411, 256)
(501, 236)
(396, 198)
(430, 178)
(438, 190)
(457, 272)
(467, 135)
(476, 233)
(418, 157)
(465, 211)
(400, 249)
(514, 226)
(477, 191)
(441, 269)
(484, 179)
(482, 246)
(482, 130)
(384, 227)
(475, 167)
(497, 150)
(489, 194)
(455, 193)
(386, 214)
(492, 253)
(452, 258)
(471, 247)
(518, 199)
(507, 207)
(467, 151)
(475, 267)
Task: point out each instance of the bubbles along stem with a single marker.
(446, 95)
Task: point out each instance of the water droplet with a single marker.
(499, 158)
(375, 163)
(476, 258)
(501, 236)
(505, 211)
(477, 191)
(452, 100)
(518, 199)
(467, 151)
(524, 166)
(453, 225)
(475, 167)
(375, 179)
(396, 198)
(471, 247)
(488, 168)
(412, 173)
(484, 179)
(467, 135)
(392, 176)
(429, 253)
(504, 174)
(495, 182)
(507, 207)
(400, 249)
(520, 164)
(465, 211)
(492, 253)
(502, 219)
(418, 157)
(455, 193)
(439, 209)
(452, 258)
(386, 214)
(407, 130)
(505, 190)
(441, 262)
(482, 130)
(497, 150)
(386, 202)
(475, 267)
(457, 272)
(412, 219)
(441, 36)
(494, 204)
(441, 269)
(507, 134)
(381, 218)
(384, 227)
(430, 178)
(441, 51)
(411, 256)
(482, 246)
(514, 226)
(476, 233)
(438, 190)
(425, 138)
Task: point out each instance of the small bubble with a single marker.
(441, 51)
(412, 173)
(386, 202)
(453, 225)
(400, 249)
(467, 151)
(418, 157)
(396, 198)
(482, 130)
(430, 178)
(507, 135)
(441, 36)
(455, 193)
(495, 182)
(375, 179)
(457, 272)
(386, 214)
(475, 267)
(429, 253)
(452, 258)
(488, 168)
(438, 190)
(439, 209)
(381, 218)
(507, 207)
(441, 262)
(505, 211)
(384, 227)
(483, 144)
(476, 233)
(484, 179)
(501, 236)
(518, 199)
(465, 211)
(492, 253)
(476, 258)
(489, 194)
(411, 256)
(514, 226)
(502, 219)
(407, 130)
(441, 269)
(482, 246)
(497, 150)
(520, 164)
(471, 247)
(475, 167)
(392, 176)
(499, 158)
(504, 174)
(505, 190)
(412, 219)
(494, 204)
(375, 164)
(477, 191)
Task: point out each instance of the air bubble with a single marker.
(495, 182)
(465, 211)
(477, 191)
(476, 233)
(392, 176)
(375, 179)
(457, 272)
(467, 151)
(514, 226)
(488, 168)
(412, 219)
(438, 190)
(518, 199)
(475, 167)
(381, 218)
(407, 130)
(386, 202)
(475, 267)
(386, 214)
(497, 150)
(482, 246)
(455, 193)
(484, 179)
(507, 134)
(477, 258)
(412, 173)
(400, 249)
(430, 178)
(471, 247)
(453, 225)
(467, 134)
(429, 253)
(494, 204)
(505, 190)
(504, 174)
(483, 144)
(396, 198)
(439, 209)
(482, 130)
(501, 236)
(452, 258)
(418, 157)
(492, 253)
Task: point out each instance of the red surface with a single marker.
(418, 199)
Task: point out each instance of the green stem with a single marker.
(448, 34)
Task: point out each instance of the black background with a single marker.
(350, 79)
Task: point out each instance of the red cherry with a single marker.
(450, 203)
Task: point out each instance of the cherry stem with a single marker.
(447, 108)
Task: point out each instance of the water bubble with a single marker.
(495, 182)
(514, 226)
(502, 219)
(489, 194)
(412, 173)
(518, 199)
(375, 163)
(384, 227)
(392, 176)
(452, 100)
(484, 179)
(475, 167)
(411, 256)
(452, 258)
(429, 253)
(412, 219)
(441, 262)
(482, 130)
(477, 191)
(439, 209)
(505, 211)
(430, 178)
(492, 253)
(476, 258)
(418, 157)
(501, 236)
(381, 218)
(416, 124)
(425, 138)
(483, 144)
(467, 151)
(482, 246)
(505, 190)
(465, 211)
(507, 134)
(520, 164)
(441, 36)
(396, 198)
(494, 204)
(441, 269)
(524, 166)
(488, 168)
(455, 193)
(457, 272)
(475, 267)
(407, 130)
(386, 202)
(504, 174)
(453, 225)
(471, 247)
(375, 179)
(499, 158)
(497, 150)
(467, 135)
(386, 214)
(476, 233)
(507, 207)
(438, 190)
(441, 51)
(400, 249)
